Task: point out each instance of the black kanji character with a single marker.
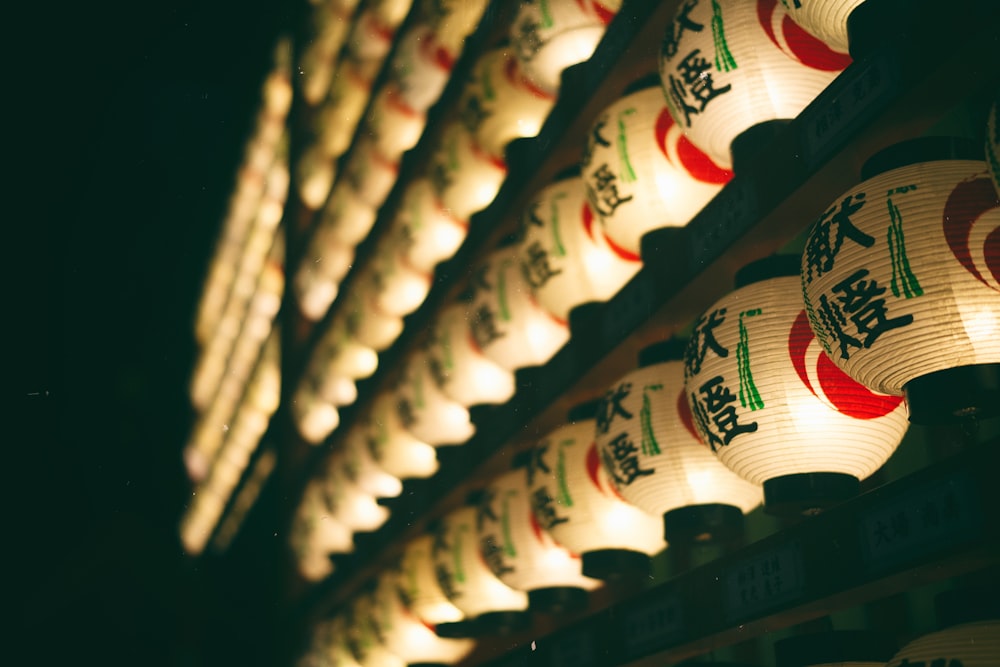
(603, 193)
(484, 326)
(829, 233)
(703, 339)
(484, 509)
(542, 504)
(537, 461)
(714, 404)
(610, 406)
(676, 29)
(693, 89)
(536, 268)
(855, 299)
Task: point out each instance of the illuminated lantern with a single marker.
(523, 555)
(419, 583)
(975, 644)
(465, 178)
(425, 411)
(430, 233)
(390, 12)
(394, 448)
(605, 10)
(824, 19)
(371, 38)
(370, 174)
(993, 144)
(393, 127)
(340, 114)
(321, 531)
(323, 266)
(316, 172)
(901, 278)
(566, 257)
(499, 104)
(314, 417)
(462, 372)
(650, 448)
(573, 500)
(346, 219)
(730, 65)
(641, 172)
(506, 322)
(550, 36)
(347, 503)
(452, 21)
(399, 289)
(773, 407)
(362, 469)
(343, 355)
(467, 581)
(420, 69)
(368, 325)
(365, 634)
(330, 28)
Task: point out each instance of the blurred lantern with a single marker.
(521, 554)
(641, 172)
(730, 65)
(771, 404)
(605, 10)
(421, 589)
(368, 325)
(390, 12)
(451, 21)
(565, 257)
(340, 114)
(464, 177)
(394, 448)
(425, 411)
(346, 219)
(840, 648)
(903, 288)
(347, 503)
(315, 175)
(371, 37)
(340, 355)
(430, 234)
(399, 289)
(993, 144)
(649, 446)
(420, 69)
(370, 173)
(323, 267)
(314, 418)
(550, 36)
(824, 19)
(362, 468)
(975, 644)
(329, 32)
(394, 128)
(461, 370)
(506, 323)
(336, 646)
(467, 581)
(322, 533)
(365, 634)
(499, 104)
(573, 499)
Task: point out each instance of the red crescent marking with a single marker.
(810, 51)
(603, 13)
(393, 100)
(627, 255)
(684, 412)
(798, 342)
(588, 220)
(663, 124)
(493, 160)
(699, 165)
(536, 528)
(765, 10)
(594, 465)
(967, 202)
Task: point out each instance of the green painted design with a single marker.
(724, 60)
(453, 153)
(749, 396)
(456, 553)
(621, 143)
(447, 356)
(413, 586)
(543, 7)
(903, 279)
(508, 541)
(486, 81)
(502, 290)
(416, 219)
(417, 384)
(559, 250)
(650, 447)
(564, 498)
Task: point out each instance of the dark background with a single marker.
(127, 122)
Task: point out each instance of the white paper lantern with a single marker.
(452, 21)
(430, 233)
(365, 634)
(975, 644)
(521, 554)
(465, 178)
(641, 172)
(370, 173)
(399, 288)
(340, 114)
(362, 469)
(371, 37)
(499, 104)
(346, 219)
(566, 258)
(314, 418)
(368, 325)
(425, 411)
(342, 355)
(333, 645)
(650, 447)
(425, 598)
(728, 65)
(574, 500)
(321, 531)
(901, 278)
(347, 503)
(824, 19)
(317, 281)
(394, 448)
(316, 172)
(993, 144)
(771, 404)
(420, 68)
(391, 12)
(459, 368)
(393, 126)
(550, 36)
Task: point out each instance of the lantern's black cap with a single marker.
(754, 141)
(615, 564)
(457, 629)
(644, 82)
(494, 623)
(508, 240)
(582, 411)
(806, 494)
(521, 459)
(967, 605)
(572, 171)
(473, 498)
(557, 599)
(921, 149)
(713, 663)
(772, 266)
(661, 352)
(953, 395)
(834, 646)
(702, 524)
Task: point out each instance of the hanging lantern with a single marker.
(365, 638)
(574, 501)
(320, 531)
(841, 648)
(340, 114)
(499, 104)
(975, 644)
(368, 325)
(771, 404)
(825, 20)
(329, 32)
(460, 370)
(314, 418)
(346, 219)
(390, 12)
(729, 65)
(425, 411)
(342, 355)
(393, 126)
(492, 606)
(371, 37)
(521, 554)
(451, 21)
(370, 173)
(465, 178)
(566, 258)
(993, 144)
(506, 323)
(420, 69)
(651, 450)
(399, 289)
(348, 504)
(430, 233)
(362, 469)
(903, 287)
(550, 36)
(419, 584)
(394, 448)
(317, 281)
(316, 172)
(641, 172)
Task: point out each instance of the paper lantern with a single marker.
(420, 69)
(605, 10)
(824, 19)
(365, 638)
(465, 178)
(370, 173)
(332, 644)
(550, 36)
(419, 583)
(565, 256)
(521, 554)
(647, 440)
(340, 114)
(368, 325)
(458, 367)
(975, 644)
(499, 104)
(347, 503)
(371, 37)
(398, 288)
(729, 65)
(362, 469)
(836, 648)
(451, 21)
(393, 126)
(467, 581)
(773, 407)
(506, 323)
(314, 418)
(574, 500)
(993, 144)
(346, 219)
(321, 532)
(425, 411)
(391, 12)
(429, 233)
(317, 281)
(329, 32)
(316, 172)
(641, 172)
(902, 287)
(394, 448)
(341, 354)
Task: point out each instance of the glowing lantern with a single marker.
(993, 144)
(431, 234)
(319, 58)
(975, 644)
(574, 500)
(901, 278)
(523, 555)
(641, 172)
(399, 289)
(836, 648)
(316, 172)
(420, 69)
(366, 640)
(391, 12)
(465, 178)
(368, 325)
(370, 174)
(371, 38)
(420, 586)
(314, 417)
(343, 355)
(550, 36)
(605, 10)
(321, 531)
(425, 411)
(505, 321)
(394, 448)
(730, 65)
(824, 19)
(649, 445)
(771, 404)
(347, 503)
(362, 469)
(394, 127)
(566, 258)
(452, 21)
(317, 281)
(346, 219)
(339, 116)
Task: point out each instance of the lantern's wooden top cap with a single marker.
(661, 352)
(643, 83)
(922, 149)
(584, 410)
(773, 266)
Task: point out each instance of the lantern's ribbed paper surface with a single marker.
(430, 234)
(565, 256)
(394, 127)
(323, 533)
(514, 545)
(394, 448)
(366, 635)
(641, 172)
(417, 69)
(506, 322)
(823, 19)
(768, 401)
(574, 501)
(970, 645)
(314, 418)
(425, 411)
(465, 578)
(419, 582)
(465, 178)
(727, 65)
(362, 468)
(371, 37)
(370, 173)
(901, 276)
(649, 445)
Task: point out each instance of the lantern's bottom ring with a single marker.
(457, 629)
(502, 622)
(753, 142)
(808, 493)
(615, 564)
(557, 599)
(710, 522)
(954, 394)
(658, 247)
